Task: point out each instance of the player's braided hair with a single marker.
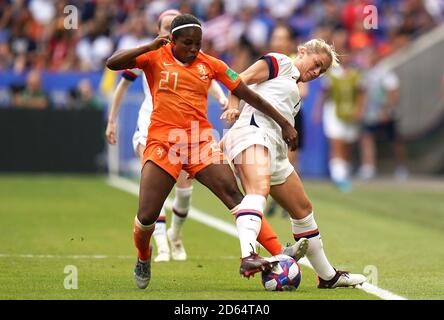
(181, 20)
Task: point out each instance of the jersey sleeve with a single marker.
(278, 64)
(225, 74)
(143, 61)
(131, 74)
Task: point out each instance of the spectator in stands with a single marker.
(379, 117)
(83, 97)
(32, 96)
(6, 57)
(341, 100)
(95, 47)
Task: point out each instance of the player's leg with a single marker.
(181, 206)
(155, 185)
(159, 234)
(401, 172)
(338, 164)
(291, 196)
(219, 178)
(368, 154)
(252, 167)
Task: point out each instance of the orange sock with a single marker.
(268, 238)
(142, 236)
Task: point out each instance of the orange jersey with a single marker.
(180, 92)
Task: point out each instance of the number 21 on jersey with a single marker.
(164, 83)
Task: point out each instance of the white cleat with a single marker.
(342, 279)
(162, 256)
(297, 250)
(177, 249)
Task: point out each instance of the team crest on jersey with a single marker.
(202, 71)
(159, 152)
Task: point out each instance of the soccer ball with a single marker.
(284, 276)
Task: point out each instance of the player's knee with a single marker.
(259, 187)
(263, 189)
(305, 208)
(233, 195)
(146, 216)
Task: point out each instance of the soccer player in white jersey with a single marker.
(259, 154)
(184, 187)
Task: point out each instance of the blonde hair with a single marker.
(320, 46)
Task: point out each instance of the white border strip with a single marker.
(204, 218)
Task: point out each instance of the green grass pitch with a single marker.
(50, 222)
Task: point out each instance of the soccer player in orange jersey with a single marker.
(180, 136)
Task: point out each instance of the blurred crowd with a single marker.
(37, 35)
(33, 33)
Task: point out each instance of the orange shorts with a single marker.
(191, 158)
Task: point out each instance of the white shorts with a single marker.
(239, 139)
(143, 122)
(335, 128)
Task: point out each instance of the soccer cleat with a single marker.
(344, 186)
(297, 250)
(177, 249)
(255, 263)
(163, 255)
(342, 279)
(142, 272)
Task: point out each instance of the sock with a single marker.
(142, 235)
(181, 206)
(307, 228)
(268, 238)
(159, 233)
(182, 200)
(248, 222)
(338, 169)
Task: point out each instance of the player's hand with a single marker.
(223, 101)
(230, 115)
(290, 135)
(159, 42)
(111, 130)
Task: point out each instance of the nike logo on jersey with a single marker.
(167, 64)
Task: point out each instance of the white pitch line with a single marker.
(52, 256)
(87, 257)
(204, 218)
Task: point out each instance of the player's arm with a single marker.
(126, 58)
(289, 133)
(111, 128)
(256, 73)
(217, 93)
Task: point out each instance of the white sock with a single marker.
(249, 221)
(307, 228)
(181, 206)
(338, 169)
(159, 233)
(182, 200)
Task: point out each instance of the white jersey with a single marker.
(255, 128)
(280, 90)
(144, 117)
